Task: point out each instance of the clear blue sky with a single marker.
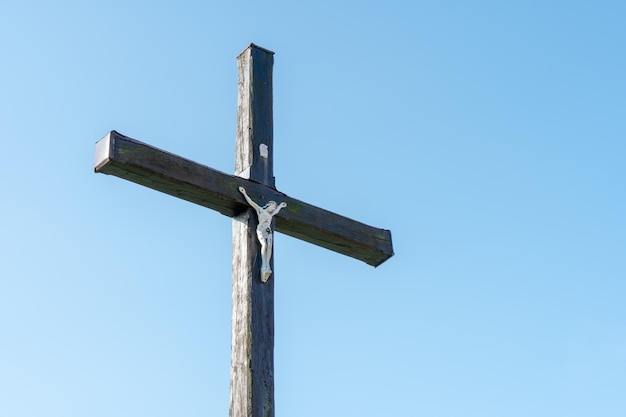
(488, 136)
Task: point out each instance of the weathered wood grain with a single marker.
(255, 118)
(252, 339)
(252, 349)
(143, 164)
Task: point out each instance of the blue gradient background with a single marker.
(488, 136)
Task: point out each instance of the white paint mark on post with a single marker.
(263, 150)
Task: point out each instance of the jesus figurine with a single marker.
(264, 230)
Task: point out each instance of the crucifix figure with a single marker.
(249, 197)
(264, 230)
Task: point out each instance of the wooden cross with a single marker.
(252, 344)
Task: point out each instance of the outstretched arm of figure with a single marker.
(281, 205)
(249, 200)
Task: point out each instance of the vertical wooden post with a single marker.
(252, 339)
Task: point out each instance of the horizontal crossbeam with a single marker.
(143, 164)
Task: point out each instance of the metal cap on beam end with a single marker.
(103, 151)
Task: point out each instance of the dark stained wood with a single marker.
(255, 119)
(252, 349)
(132, 160)
(252, 339)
